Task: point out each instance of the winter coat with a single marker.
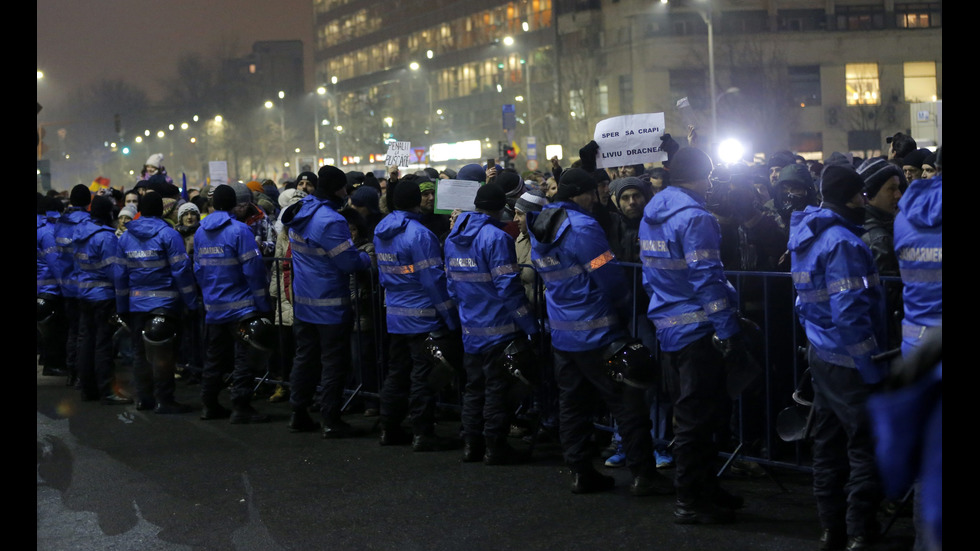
(682, 270)
(840, 300)
(919, 247)
(229, 269)
(158, 272)
(411, 270)
(484, 280)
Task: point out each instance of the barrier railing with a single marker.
(766, 298)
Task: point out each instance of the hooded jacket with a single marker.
(99, 267)
(682, 270)
(229, 269)
(47, 250)
(586, 292)
(411, 270)
(158, 272)
(840, 300)
(61, 260)
(323, 258)
(919, 247)
(484, 280)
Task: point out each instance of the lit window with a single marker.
(861, 82)
(920, 81)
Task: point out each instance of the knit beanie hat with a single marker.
(490, 197)
(128, 210)
(185, 208)
(224, 198)
(425, 185)
(690, 164)
(152, 205)
(330, 180)
(875, 172)
(101, 210)
(306, 177)
(510, 183)
(407, 195)
(839, 184)
(574, 182)
(619, 185)
(80, 196)
(472, 172)
(366, 196)
(531, 201)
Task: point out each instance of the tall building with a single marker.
(814, 76)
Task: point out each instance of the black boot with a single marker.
(243, 413)
(589, 481)
(302, 422)
(499, 452)
(474, 448)
(392, 434)
(212, 409)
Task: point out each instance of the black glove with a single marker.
(588, 154)
(669, 145)
(741, 368)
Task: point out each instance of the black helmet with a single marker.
(160, 329)
(520, 362)
(258, 332)
(630, 362)
(45, 309)
(446, 350)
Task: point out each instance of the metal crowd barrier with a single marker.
(767, 298)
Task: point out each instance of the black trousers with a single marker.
(696, 380)
(582, 381)
(153, 381)
(845, 476)
(406, 391)
(322, 356)
(486, 408)
(94, 358)
(224, 353)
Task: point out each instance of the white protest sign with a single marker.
(218, 171)
(455, 194)
(630, 140)
(399, 154)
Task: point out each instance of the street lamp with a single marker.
(414, 66)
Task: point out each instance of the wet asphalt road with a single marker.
(110, 477)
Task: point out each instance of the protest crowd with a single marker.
(554, 303)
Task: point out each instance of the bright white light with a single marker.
(429, 54)
(194, 118)
(730, 150)
(268, 104)
(508, 41)
(160, 134)
(40, 75)
(414, 65)
(525, 27)
(438, 111)
(184, 126)
(553, 150)
(282, 94)
(321, 90)
(170, 127)
(218, 118)
(139, 139)
(333, 80)
(500, 88)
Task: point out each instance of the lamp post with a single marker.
(414, 66)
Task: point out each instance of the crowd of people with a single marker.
(333, 267)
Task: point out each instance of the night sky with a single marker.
(82, 42)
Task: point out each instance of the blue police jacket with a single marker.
(411, 271)
(585, 290)
(62, 260)
(229, 269)
(839, 299)
(158, 272)
(682, 270)
(919, 247)
(324, 256)
(98, 264)
(484, 280)
(47, 249)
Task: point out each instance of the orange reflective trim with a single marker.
(601, 260)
